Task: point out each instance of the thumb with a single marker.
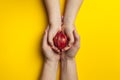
(50, 38)
(45, 37)
(71, 38)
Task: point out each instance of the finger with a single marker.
(51, 35)
(71, 38)
(55, 49)
(77, 38)
(66, 48)
(45, 37)
(50, 38)
(47, 29)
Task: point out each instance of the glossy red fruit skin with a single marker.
(60, 40)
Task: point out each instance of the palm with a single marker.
(50, 54)
(71, 52)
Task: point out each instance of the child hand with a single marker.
(49, 53)
(53, 29)
(68, 29)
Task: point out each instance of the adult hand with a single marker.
(70, 53)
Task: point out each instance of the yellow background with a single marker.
(22, 23)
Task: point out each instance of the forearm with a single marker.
(71, 10)
(53, 10)
(68, 69)
(49, 70)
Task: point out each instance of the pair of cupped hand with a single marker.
(49, 48)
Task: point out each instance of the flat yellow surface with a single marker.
(22, 23)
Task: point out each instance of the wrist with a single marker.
(69, 26)
(66, 61)
(67, 58)
(68, 21)
(55, 25)
(56, 22)
(51, 62)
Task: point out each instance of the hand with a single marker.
(47, 49)
(53, 29)
(70, 53)
(68, 29)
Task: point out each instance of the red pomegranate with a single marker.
(60, 40)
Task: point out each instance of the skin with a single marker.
(51, 60)
(51, 53)
(53, 10)
(68, 65)
(71, 10)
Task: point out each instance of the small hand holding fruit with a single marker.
(48, 51)
(68, 29)
(53, 29)
(61, 40)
